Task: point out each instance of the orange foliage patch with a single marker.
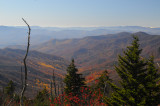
(93, 76)
(46, 65)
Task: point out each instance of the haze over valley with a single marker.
(11, 35)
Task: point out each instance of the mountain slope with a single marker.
(40, 67)
(96, 53)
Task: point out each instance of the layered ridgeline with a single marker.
(12, 35)
(40, 68)
(96, 53)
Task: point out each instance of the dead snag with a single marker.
(25, 66)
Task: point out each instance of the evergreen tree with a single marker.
(10, 88)
(73, 80)
(132, 69)
(151, 85)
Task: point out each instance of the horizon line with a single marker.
(78, 26)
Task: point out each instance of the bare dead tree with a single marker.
(61, 84)
(51, 89)
(58, 89)
(54, 83)
(21, 78)
(25, 66)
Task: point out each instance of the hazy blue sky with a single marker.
(68, 13)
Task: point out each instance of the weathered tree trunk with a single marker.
(54, 83)
(25, 66)
(51, 89)
(21, 78)
(62, 87)
(58, 90)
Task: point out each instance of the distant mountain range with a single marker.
(10, 35)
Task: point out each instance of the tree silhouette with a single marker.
(73, 80)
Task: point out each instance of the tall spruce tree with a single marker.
(132, 69)
(152, 84)
(73, 80)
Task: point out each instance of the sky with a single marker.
(80, 13)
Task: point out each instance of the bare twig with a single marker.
(25, 66)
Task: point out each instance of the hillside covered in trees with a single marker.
(97, 53)
(136, 67)
(40, 68)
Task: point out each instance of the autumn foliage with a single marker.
(88, 97)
